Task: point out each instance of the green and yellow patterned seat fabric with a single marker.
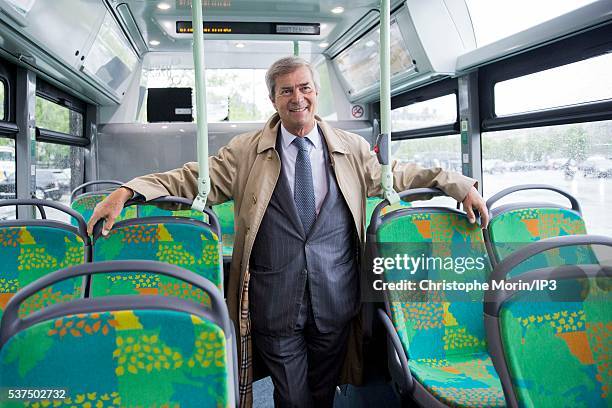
(225, 213)
(85, 204)
(558, 352)
(145, 358)
(189, 244)
(30, 252)
(372, 202)
(516, 228)
(145, 210)
(442, 335)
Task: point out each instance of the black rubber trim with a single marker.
(51, 136)
(8, 129)
(498, 196)
(82, 228)
(502, 209)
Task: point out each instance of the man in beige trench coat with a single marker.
(251, 170)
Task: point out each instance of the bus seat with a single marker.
(85, 203)
(372, 202)
(552, 347)
(515, 225)
(148, 351)
(30, 249)
(225, 213)
(185, 242)
(440, 344)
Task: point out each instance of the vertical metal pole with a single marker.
(202, 120)
(91, 153)
(469, 122)
(296, 48)
(25, 140)
(384, 139)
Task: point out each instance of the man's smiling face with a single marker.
(295, 100)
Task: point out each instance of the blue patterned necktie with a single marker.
(303, 192)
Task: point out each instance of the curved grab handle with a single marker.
(213, 221)
(498, 196)
(40, 208)
(434, 192)
(11, 322)
(522, 254)
(92, 183)
(52, 204)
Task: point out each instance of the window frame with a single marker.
(563, 52)
(52, 94)
(8, 127)
(444, 87)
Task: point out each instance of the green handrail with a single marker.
(199, 203)
(384, 139)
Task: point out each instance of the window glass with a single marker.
(571, 84)
(231, 94)
(440, 151)
(494, 20)
(111, 58)
(433, 112)
(577, 158)
(7, 176)
(58, 171)
(52, 116)
(2, 100)
(359, 64)
(22, 6)
(326, 106)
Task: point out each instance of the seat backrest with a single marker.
(433, 324)
(515, 225)
(30, 249)
(188, 243)
(372, 202)
(85, 204)
(537, 335)
(127, 350)
(225, 213)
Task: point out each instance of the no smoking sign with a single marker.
(357, 111)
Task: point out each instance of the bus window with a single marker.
(2, 100)
(55, 165)
(57, 118)
(233, 95)
(576, 157)
(583, 81)
(439, 151)
(7, 176)
(432, 112)
(326, 105)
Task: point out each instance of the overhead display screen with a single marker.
(239, 27)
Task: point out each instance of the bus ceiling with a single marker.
(103, 54)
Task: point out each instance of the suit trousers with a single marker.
(305, 366)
